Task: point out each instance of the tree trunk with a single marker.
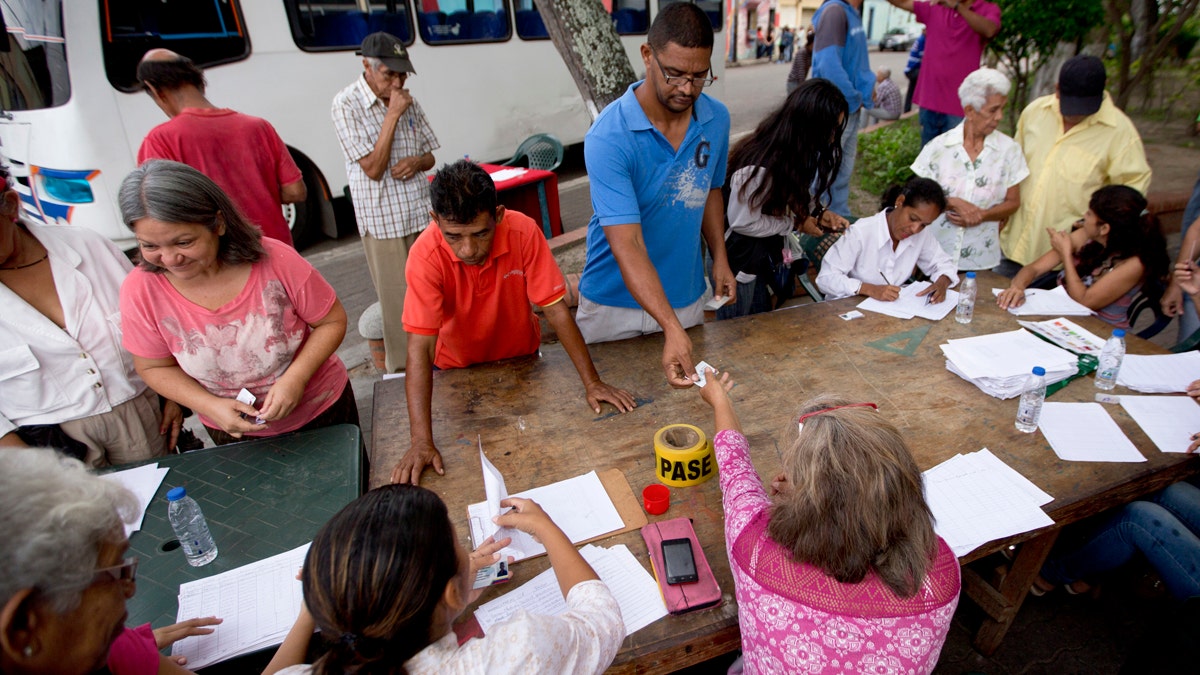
(584, 34)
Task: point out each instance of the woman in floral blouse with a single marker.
(980, 169)
(839, 569)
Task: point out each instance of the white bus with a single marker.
(72, 115)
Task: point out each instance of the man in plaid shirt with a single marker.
(388, 145)
(888, 101)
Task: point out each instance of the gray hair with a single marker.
(54, 516)
(373, 61)
(176, 193)
(979, 85)
(884, 72)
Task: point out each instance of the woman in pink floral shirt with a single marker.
(839, 570)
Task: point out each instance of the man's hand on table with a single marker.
(1011, 297)
(420, 455)
(677, 360)
(598, 392)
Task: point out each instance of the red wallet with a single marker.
(681, 598)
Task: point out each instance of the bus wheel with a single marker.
(304, 219)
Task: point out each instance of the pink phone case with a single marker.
(681, 598)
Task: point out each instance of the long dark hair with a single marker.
(799, 146)
(374, 576)
(1132, 231)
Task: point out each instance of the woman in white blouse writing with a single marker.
(879, 253)
(385, 579)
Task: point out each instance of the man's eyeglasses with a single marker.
(680, 80)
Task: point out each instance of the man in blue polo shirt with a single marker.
(656, 160)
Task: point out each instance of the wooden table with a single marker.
(537, 429)
(260, 498)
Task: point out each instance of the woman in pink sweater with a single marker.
(838, 569)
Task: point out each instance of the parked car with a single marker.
(900, 39)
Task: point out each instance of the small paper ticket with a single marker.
(717, 302)
(246, 397)
(702, 372)
(852, 314)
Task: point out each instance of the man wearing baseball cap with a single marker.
(388, 145)
(1075, 142)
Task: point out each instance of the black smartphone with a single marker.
(679, 560)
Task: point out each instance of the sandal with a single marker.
(1040, 587)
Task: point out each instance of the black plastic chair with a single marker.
(1141, 302)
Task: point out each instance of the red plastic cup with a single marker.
(656, 498)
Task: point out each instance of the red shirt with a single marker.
(481, 313)
(242, 154)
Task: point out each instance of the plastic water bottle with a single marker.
(966, 300)
(1029, 411)
(1111, 358)
(190, 528)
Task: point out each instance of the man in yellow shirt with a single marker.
(1075, 141)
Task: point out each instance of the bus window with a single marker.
(711, 7)
(529, 23)
(342, 24)
(208, 33)
(33, 65)
(459, 21)
(631, 17)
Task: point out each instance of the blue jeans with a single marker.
(1164, 530)
(1188, 322)
(934, 124)
(840, 191)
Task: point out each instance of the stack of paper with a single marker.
(1083, 432)
(1047, 303)
(909, 304)
(977, 498)
(1169, 421)
(635, 590)
(143, 482)
(580, 506)
(259, 603)
(1000, 363)
(1164, 374)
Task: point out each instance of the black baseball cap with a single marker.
(1081, 85)
(389, 49)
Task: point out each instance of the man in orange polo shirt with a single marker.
(471, 280)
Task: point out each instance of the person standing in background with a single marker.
(388, 145)
(840, 55)
(912, 70)
(799, 70)
(242, 154)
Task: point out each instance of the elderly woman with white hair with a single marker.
(980, 169)
(66, 577)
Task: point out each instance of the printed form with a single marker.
(259, 603)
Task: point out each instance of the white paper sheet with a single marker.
(259, 603)
(910, 305)
(1039, 302)
(1084, 432)
(634, 589)
(1161, 374)
(580, 506)
(1169, 421)
(143, 482)
(507, 174)
(976, 498)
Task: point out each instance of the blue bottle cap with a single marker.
(1037, 370)
(1119, 333)
(970, 275)
(175, 494)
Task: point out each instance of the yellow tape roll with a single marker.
(683, 456)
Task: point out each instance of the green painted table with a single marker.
(260, 497)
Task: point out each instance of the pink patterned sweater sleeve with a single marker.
(742, 493)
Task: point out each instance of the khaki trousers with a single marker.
(386, 260)
(127, 433)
